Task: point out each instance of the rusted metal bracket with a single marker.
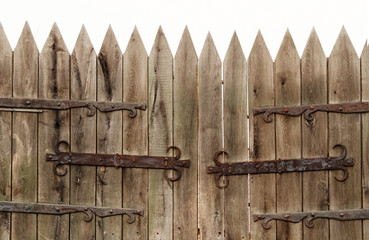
(280, 166)
(309, 110)
(63, 104)
(116, 160)
(59, 209)
(345, 215)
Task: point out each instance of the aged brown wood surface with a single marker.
(315, 134)
(262, 135)
(6, 62)
(24, 139)
(185, 137)
(365, 133)
(211, 202)
(109, 135)
(236, 212)
(160, 112)
(135, 135)
(288, 135)
(83, 133)
(53, 126)
(344, 86)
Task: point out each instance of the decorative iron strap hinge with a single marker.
(280, 166)
(63, 104)
(116, 160)
(309, 110)
(345, 215)
(59, 209)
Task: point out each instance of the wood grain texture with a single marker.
(344, 86)
(236, 212)
(365, 133)
(53, 127)
(135, 135)
(262, 135)
(315, 134)
(288, 135)
(6, 65)
(24, 140)
(109, 135)
(160, 136)
(185, 137)
(83, 133)
(211, 202)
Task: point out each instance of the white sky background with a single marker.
(221, 18)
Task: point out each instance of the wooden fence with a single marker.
(186, 108)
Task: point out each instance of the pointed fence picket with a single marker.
(184, 108)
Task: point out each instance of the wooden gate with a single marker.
(200, 105)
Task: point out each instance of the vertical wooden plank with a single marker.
(185, 137)
(315, 134)
(109, 135)
(135, 135)
(53, 127)
(211, 202)
(160, 136)
(24, 140)
(236, 212)
(83, 133)
(288, 135)
(344, 86)
(365, 133)
(262, 135)
(6, 64)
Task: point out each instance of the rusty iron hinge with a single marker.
(280, 166)
(63, 104)
(308, 217)
(116, 160)
(309, 110)
(60, 209)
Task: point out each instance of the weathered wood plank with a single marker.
(24, 140)
(109, 135)
(83, 133)
(135, 135)
(185, 137)
(288, 135)
(365, 133)
(160, 136)
(53, 127)
(211, 202)
(315, 134)
(262, 135)
(344, 86)
(236, 212)
(6, 64)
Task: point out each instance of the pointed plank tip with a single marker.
(186, 43)
(343, 42)
(26, 35)
(260, 46)
(287, 45)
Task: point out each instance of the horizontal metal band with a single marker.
(60, 209)
(64, 104)
(309, 110)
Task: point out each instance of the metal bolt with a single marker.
(28, 102)
(285, 110)
(86, 209)
(50, 157)
(111, 211)
(342, 214)
(311, 107)
(69, 161)
(59, 104)
(341, 109)
(259, 216)
(112, 106)
(286, 216)
(313, 215)
(57, 209)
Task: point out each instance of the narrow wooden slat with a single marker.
(83, 133)
(315, 134)
(185, 137)
(109, 135)
(135, 135)
(211, 202)
(53, 127)
(24, 140)
(288, 135)
(160, 112)
(262, 135)
(236, 213)
(344, 86)
(365, 133)
(6, 62)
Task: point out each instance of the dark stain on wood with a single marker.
(107, 81)
(54, 66)
(77, 73)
